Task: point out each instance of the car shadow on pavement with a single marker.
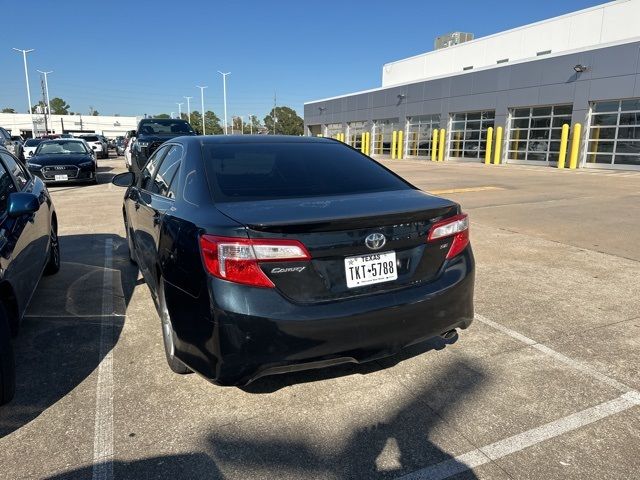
(292, 451)
(161, 467)
(58, 345)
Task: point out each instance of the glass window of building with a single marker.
(614, 133)
(468, 136)
(382, 135)
(334, 129)
(356, 129)
(535, 132)
(420, 135)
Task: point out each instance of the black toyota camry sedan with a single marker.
(272, 254)
(64, 160)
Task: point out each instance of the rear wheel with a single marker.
(168, 335)
(53, 264)
(7, 362)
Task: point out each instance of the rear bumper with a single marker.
(256, 332)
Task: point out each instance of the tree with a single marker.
(253, 125)
(212, 123)
(39, 106)
(95, 113)
(287, 121)
(59, 106)
(8, 110)
(211, 120)
(162, 115)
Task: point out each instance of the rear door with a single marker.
(155, 199)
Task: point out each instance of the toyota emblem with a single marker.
(375, 241)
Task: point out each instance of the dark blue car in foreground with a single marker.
(28, 246)
(273, 254)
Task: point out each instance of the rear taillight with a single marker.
(237, 259)
(456, 227)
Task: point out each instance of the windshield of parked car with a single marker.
(32, 142)
(264, 171)
(90, 138)
(164, 127)
(61, 147)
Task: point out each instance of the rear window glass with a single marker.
(32, 142)
(90, 139)
(244, 172)
(164, 127)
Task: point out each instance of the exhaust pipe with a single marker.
(450, 335)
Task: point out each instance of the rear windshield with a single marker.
(162, 127)
(92, 138)
(244, 172)
(32, 142)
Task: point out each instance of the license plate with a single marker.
(61, 178)
(369, 269)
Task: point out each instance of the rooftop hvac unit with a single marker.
(453, 38)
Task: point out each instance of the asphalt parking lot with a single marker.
(544, 384)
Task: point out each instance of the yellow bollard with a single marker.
(367, 143)
(441, 145)
(498, 149)
(394, 142)
(575, 146)
(434, 145)
(564, 139)
(400, 144)
(487, 156)
(363, 149)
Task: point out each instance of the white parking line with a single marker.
(103, 432)
(523, 440)
(581, 366)
(520, 441)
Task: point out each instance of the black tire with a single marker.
(53, 264)
(168, 335)
(7, 362)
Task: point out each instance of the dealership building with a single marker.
(35, 125)
(566, 88)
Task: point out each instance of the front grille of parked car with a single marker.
(153, 146)
(50, 172)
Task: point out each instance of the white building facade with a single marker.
(109, 126)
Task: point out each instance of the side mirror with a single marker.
(21, 203)
(125, 179)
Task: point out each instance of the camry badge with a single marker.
(375, 241)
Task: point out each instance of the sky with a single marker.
(136, 58)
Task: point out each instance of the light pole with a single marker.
(202, 105)
(26, 76)
(180, 110)
(224, 93)
(188, 108)
(46, 89)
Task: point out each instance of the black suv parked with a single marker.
(153, 132)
